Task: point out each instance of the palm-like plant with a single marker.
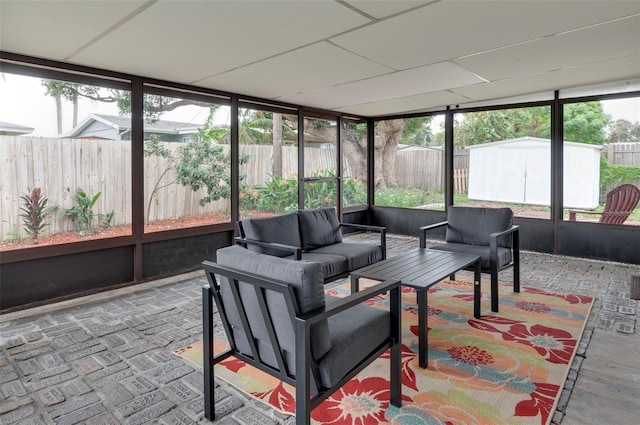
(34, 212)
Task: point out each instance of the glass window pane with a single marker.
(320, 140)
(509, 160)
(601, 153)
(269, 169)
(320, 194)
(354, 163)
(59, 144)
(409, 163)
(187, 163)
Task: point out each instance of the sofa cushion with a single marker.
(307, 281)
(358, 255)
(281, 229)
(471, 225)
(331, 265)
(355, 332)
(504, 254)
(319, 227)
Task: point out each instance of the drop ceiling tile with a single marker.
(431, 78)
(451, 29)
(55, 29)
(309, 68)
(600, 72)
(189, 41)
(382, 9)
(406, 104)
(615, 39)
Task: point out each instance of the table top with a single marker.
(419, 269)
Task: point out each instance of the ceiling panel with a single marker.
(55, 29)
(425, 79)
(401, 105)
(312, 67)
(613, 70)
(593, 44)
(451, 29)
(383, 9)
(189, 41)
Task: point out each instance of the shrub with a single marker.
(34, 212)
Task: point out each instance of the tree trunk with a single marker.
(58, 99)
(276, 167)
(386, 139)
(75, 111)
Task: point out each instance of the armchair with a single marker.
(487, 232)
(276, 318)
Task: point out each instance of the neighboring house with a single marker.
(519, 171)
(97, 126)
(8, 129)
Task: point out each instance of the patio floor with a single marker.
(106, 359)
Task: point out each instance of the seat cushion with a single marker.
(306, 278)
(471, 225)
(319, 227)
(277, 229)
(355, 333)
(331, 265)
(504, 254)
(358, 255)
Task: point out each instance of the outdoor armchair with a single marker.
(276, 318)
(487, 232)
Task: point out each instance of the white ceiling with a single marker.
(362, 57)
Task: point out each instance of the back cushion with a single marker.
(319, 228)
(472, 226)
(307, 281)
(277, 229)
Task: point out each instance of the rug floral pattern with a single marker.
(504, 368)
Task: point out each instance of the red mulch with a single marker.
(109, 232)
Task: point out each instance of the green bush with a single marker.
(612, 176)
(401, 197)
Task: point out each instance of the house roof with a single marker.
(121, 123)
(9, 129)
(527, 139)
(369, 58)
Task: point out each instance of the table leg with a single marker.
(477, 289)
(422, 328)
(355, 284)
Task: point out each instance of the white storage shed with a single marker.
(519, 171)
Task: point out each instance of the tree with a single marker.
(621, 131)
(585, 123)
(491, 126)
(417, 131)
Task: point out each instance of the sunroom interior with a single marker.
(176, 119)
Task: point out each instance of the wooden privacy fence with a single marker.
(424, 169)
(623, 154)
(60, 166)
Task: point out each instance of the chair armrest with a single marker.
(493, 240)
(378, 229)
(349, 301)
(572, 213)
(424, 229)
(294, 250)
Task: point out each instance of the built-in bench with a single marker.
(312, 235)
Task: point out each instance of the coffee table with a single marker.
(420, 270)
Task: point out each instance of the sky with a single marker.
(22, 101)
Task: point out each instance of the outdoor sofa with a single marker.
(312, 235)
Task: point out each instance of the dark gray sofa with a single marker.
(311, 235)
(277, 318)
(486, 232)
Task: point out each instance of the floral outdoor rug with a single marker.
(505, 368)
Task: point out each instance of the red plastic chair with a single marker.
(620, 202)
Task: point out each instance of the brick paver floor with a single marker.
(108, 361)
